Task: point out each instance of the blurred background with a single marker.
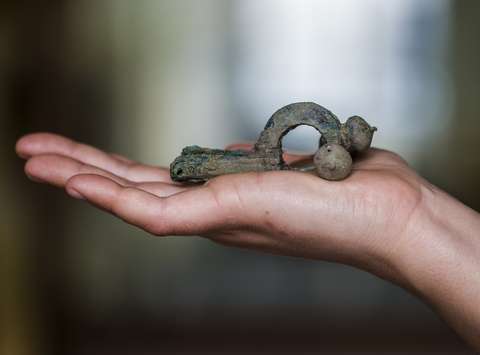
(145, 78)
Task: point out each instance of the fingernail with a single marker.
(75, 194)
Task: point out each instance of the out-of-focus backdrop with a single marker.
(145, 78)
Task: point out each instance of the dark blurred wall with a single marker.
(41, 90)
(462, 169)
(453, 162)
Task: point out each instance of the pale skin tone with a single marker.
(383, 218)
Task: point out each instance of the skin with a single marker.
(383, 218)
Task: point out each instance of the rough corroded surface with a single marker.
(197, 164)
(332, 162)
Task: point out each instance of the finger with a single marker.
(48, 143)
(288, 157)
(57, 170)
(195, 211)
(122, 158)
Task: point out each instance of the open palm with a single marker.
(359, 221)
(383, 218)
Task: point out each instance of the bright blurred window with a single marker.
(384, 60)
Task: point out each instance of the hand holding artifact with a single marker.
(384, 218)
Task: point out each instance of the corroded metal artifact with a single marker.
(332, 161)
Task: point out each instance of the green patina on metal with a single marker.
(332, 161)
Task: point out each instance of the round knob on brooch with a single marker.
(360, 134)
(332, 162)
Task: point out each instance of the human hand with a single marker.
(383, 218)
(361, 220)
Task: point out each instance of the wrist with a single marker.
(439, 260)
(442, 236)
